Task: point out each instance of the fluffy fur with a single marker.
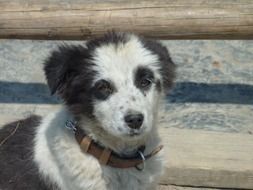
(101, 83)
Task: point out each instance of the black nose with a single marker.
(134, 121)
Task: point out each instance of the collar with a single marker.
(106, 156)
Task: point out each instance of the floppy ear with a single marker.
(63, 65)
(167, 68)
(167, 65)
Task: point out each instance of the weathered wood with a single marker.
(12, 112)
(208, 159)
(164, 19)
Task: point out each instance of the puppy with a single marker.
(104, 137)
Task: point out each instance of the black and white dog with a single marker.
(104, 137)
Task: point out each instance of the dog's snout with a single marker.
(135, 120)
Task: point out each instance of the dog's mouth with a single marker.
(135, 132)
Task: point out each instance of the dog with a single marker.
(104, 136)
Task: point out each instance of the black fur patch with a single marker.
(144, 78)
(17, 168)
(167, 65)
(103, 89)
(158, 85)
(69, 73)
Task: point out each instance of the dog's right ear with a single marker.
(63, 65)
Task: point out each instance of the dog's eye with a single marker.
(103, 89)
(145, 82)
(144, 78)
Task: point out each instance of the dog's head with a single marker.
(116, 81)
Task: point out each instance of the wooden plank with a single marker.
(164, 19)
(208, 159)
(12, 112)
(231, 118)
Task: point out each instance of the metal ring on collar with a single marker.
(143, 161)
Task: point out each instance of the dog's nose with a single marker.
(134, 121)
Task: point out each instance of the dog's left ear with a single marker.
(63, 66)
(167, 65)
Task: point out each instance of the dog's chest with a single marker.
(70, 168)
(85, 173)
(133, 179)
(96, 177)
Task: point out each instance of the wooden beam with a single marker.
(164, 19)
(208, 159)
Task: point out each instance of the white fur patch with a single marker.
(118, 64)
(60, 160)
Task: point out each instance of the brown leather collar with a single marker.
(107, 156)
